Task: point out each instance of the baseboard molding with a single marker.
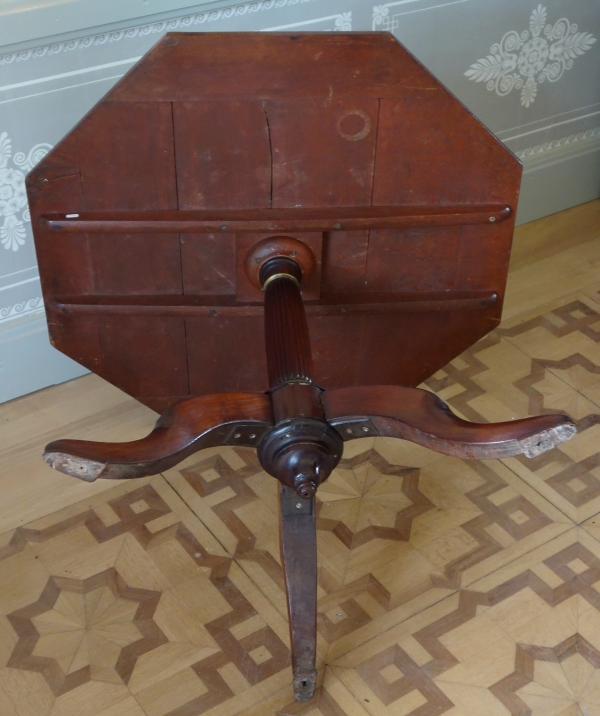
(27, 360)
(559, 178)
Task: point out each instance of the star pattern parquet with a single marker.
(397, 527)
(464, 588)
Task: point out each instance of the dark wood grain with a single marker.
(317, 136)
(421, 417)
(289, 356)
(120, 168)
(56, 185)
(159, 368)
(344, 218)
(208, 264)
(298, 539)
(187, 66)
(157, 258)
(433, 130)
(210, 139)
(189, 426)
(293, 400)
(299, 130)
(248, 246)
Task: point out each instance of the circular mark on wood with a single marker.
(354, 124)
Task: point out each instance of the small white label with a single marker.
(72, 216)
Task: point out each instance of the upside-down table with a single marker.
(271, 239)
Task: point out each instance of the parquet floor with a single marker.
(445, 586)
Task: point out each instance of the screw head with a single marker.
(365, 429)
(349, 431)
(298, 505)
(213, 312)
(252, 436)
(492, 219)
(223, 227)
(237, 435)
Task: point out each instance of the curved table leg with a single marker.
(188, 426)
(299, 558)
(423, 418)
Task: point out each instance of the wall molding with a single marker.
(558, 143)
(383, 21)
(28, 361)
(558, 178)
(183, 22)
(24, 308)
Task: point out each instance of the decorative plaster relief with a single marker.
(344, 21)
(521, 61)
(176, 23)
(382, 20)
(555, 143)
(32, 305)
(14, 211)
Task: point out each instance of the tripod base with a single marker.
(246, 419)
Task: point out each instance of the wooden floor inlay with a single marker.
(524, 640)
(464, 588)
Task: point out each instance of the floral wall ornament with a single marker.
(14, 212)
(523, 61)
(380, 13)
(344, 21)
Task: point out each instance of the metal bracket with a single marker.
(355, 428)
(245, 434)
(292, 505)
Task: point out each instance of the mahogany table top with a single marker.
(145, 213)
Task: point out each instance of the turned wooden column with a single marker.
(302, 449)
(289, 357)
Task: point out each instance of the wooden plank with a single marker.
(127, 157)
(348, 349)
(187, 66)
(144, 355)
(208, 264)
(156, 258)
(343, 218)
(55, 185)
(65, 267)
(226, 353)
(430, 150)
(419, 259)
(345, 261)
(223, 155)
(323, 151)
(392, 349)
(76, 336)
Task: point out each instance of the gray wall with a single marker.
(530, 71)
